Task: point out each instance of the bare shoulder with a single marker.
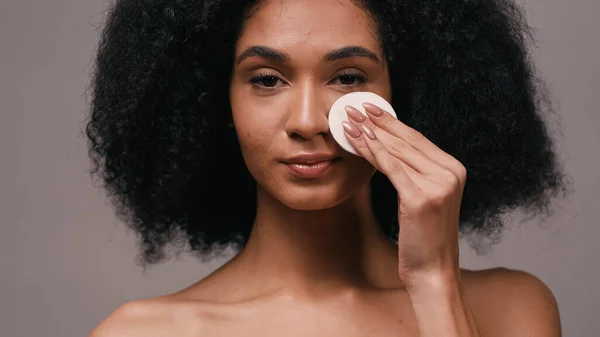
(197, 311)
(161, 316)
(512, 303)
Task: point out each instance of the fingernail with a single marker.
(355, 114)
(351, 129)
(368, 132)
(373, 109)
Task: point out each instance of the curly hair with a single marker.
(158, 137)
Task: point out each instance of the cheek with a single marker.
(258, 121)
(253, 141)
(258, 135)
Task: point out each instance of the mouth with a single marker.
(312, 169)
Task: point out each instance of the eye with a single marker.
(265, 81)
(350, 79)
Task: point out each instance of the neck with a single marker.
(318, 252)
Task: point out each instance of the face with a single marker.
(293, 60)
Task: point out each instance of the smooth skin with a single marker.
(316, 263)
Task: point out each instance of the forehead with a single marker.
(309, 25)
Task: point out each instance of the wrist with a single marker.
(435, 283)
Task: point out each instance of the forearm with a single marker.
(442, 309)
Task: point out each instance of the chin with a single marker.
(312, 198)
(310, 202)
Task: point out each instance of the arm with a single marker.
(430, 185)
(442, 309)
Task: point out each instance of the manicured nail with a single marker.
(368, 132)
(351, 129)
(373, 109)
(356, 115)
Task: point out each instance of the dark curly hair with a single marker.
(158, 136)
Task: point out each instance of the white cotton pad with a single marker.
(337, 114)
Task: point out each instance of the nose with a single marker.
(308, 111)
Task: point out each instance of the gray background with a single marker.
(66, 261)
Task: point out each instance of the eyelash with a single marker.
(256, 81)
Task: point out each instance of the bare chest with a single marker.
(331, 321)
(339, 328)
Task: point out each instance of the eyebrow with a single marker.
(279, 57)
(351, 51)
(264, 52)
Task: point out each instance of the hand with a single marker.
(430, 185)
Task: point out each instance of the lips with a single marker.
(311, 169)
(310, 159)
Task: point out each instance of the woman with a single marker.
(205, 115)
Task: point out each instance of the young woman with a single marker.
(209, 127)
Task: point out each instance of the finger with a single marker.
(398, 147)
(391, 167)
(394, 126)
(357, 140)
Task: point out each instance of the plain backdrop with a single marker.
(66, 261)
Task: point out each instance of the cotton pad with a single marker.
(337, 114)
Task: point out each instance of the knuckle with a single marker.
(399, 146)
(438, 198)
(393, 166)
(388, 121)
(414, 135)
(456, 168)
(452, 178)
(362, 146)
(462, 171)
